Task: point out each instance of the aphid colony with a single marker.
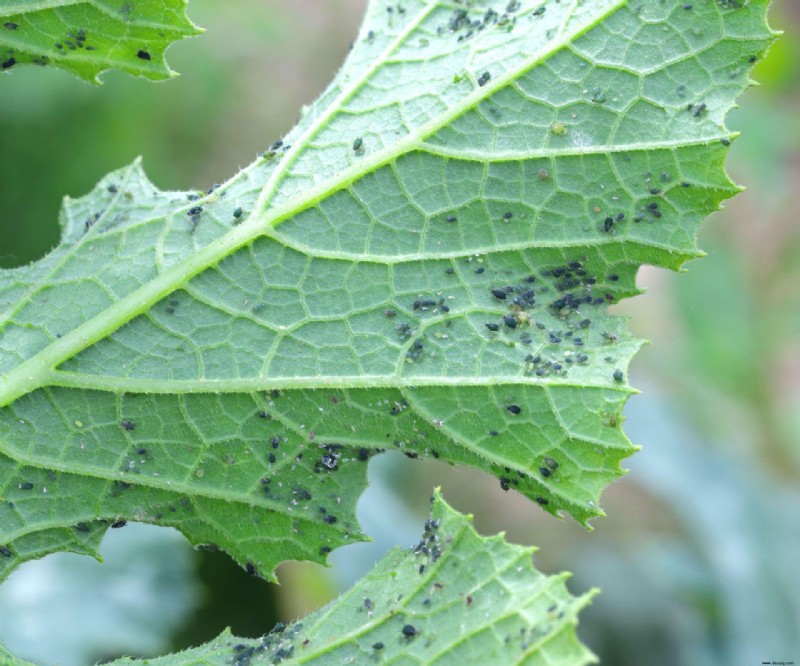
(460, 23)
(277, 646)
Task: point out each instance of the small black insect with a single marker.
(618, 376)
(409, 630)
(237, 213)
(608, 224)
(493, 327)
(514, 409)
(510, 321)
(377, 646)
(499, 293)
(484, 78)
(119, 523)
(275, 442)
(143, 55)
(127, 424)
(358, 144)
(11, 26)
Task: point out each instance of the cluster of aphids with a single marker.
(508, 481)
(195, 212)
(460, 22)
(429, 545)
(274, 149)
(278, 644)
(575, 289)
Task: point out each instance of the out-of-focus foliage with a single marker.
(131, 602)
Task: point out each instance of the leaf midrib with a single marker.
(38, 370)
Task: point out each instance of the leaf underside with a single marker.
(87, 37)
(456, 597)
(423, 264)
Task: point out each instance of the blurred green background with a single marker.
(698, 557)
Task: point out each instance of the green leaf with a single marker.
(87, 37)
(456, 597)
(226, 363)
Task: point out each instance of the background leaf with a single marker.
(456, 595)
(87, 37)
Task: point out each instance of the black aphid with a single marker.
(514, 409)
(237, 213)
(493, 327)
(618, 376)
(484, 78)
(551, 463)
(127, 424)
(499, 293)
(409, 631)
(143, 55)
(358, 144)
